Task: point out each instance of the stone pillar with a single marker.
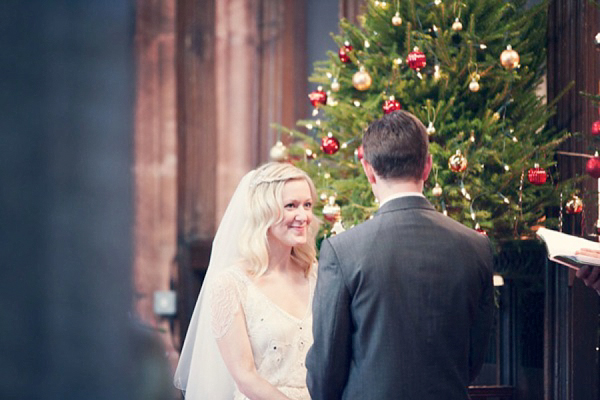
(155, 151)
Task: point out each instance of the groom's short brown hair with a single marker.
(396, 145)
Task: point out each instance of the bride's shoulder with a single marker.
(238, 272)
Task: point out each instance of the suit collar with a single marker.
(404, 203)
(401, 194)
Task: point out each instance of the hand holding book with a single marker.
(590, 275)
(574, 252)
(569, 250)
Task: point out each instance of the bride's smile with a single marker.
(292, 229)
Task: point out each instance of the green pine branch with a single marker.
(502, 129)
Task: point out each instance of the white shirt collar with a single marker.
(398, 195)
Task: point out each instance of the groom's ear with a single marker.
(369, 171)
(428, 166)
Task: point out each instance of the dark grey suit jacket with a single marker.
(403, 307)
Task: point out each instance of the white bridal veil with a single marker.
(201, 372)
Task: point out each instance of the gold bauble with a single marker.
(457, 162)
(335, 86)
(509, 58)
(474, 86)
(457, 25)
(361, 80)
(278, 152)
(437, 190)
(397, 20)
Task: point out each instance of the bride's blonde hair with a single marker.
(265, 208)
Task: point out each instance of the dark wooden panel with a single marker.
(196, 118)
(197, 142)
(571, 334)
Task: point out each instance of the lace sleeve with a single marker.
(225, 298)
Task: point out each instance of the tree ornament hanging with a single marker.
(361, 80)
(437, 190)
(396, 19)
(279, 152)
(331, 211)
(595, 131)
(509, 58)
(318, 97)
(597, 40)
(329, 144)
(457, 25)
(391, 105)
(457, 162)
(343, 53)
(574, 205)
(537, 175)
(474, 85)
(335, 86)
(592, 166)
(430, 129)
(416, 59)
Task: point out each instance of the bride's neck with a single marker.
(280, 258)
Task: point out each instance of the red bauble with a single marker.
(317, 97)
(416, 59)
(360, 152)
(574, 205)
(537, 175)
(330, 145)
(391, 105)
(343, 53)
(596, 128)
(592, 167)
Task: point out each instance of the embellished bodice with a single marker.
(278, 339)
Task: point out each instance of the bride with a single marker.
(252, 325)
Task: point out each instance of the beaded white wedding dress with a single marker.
(279, 340)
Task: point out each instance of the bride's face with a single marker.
(297, 214)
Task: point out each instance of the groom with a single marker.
(403, 306)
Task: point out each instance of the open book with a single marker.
(562, 247)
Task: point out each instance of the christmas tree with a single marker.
(469, 70)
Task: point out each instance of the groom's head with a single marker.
(396, 146)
